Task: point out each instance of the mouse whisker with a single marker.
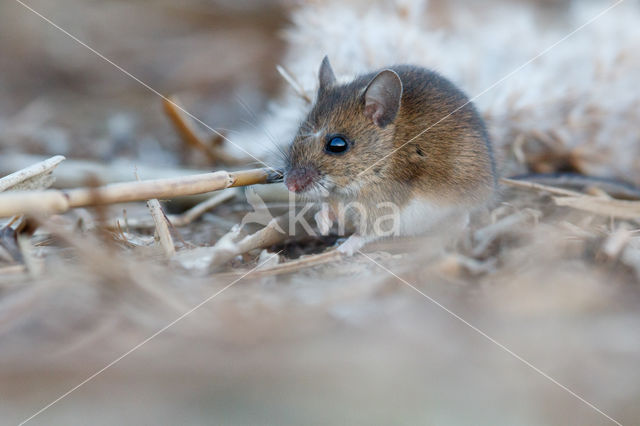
(280, 153)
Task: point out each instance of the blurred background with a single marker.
(218, 57)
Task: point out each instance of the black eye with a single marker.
(336, 145)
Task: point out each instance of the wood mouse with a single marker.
(403, 144)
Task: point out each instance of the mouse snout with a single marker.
(299, 179)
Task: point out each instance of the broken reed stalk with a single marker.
(59, 201)
(162, 227)
(20, 179)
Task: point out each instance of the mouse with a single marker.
(398, 151)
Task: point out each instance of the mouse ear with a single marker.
(326, 76)
(382, 98)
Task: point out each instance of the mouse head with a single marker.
(348, 129)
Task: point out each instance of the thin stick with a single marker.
(188, 132)
(302, 263)
(145, 190)
(622, 209)
(56, 201)
(539, 187)
(185, 128)
(199, 209)
(177, 220)
(288, 267)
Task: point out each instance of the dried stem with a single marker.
(199, 209)
(302, 263)
(188, 132)
(622, 209)
(56, 201)
(600, 205)
(539, 187)
(177, 220)
(226, 249)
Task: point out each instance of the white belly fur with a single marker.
(420, 216)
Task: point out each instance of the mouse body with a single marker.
(402, 146)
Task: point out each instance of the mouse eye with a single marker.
(336, 145)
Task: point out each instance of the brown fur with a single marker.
(451, 163)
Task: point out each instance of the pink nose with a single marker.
(299, 179)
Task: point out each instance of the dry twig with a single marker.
(56, 201)
(601, 205)
(176, 220)
(199, 209)
(189, 133)
(301, 263)
(226, 248)
(539, 187)
(622, 209)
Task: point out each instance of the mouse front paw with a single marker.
(323, 221)
(352, 245)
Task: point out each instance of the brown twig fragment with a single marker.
(189, 133)
(255, 176)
